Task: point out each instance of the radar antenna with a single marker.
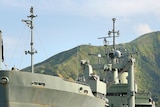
(30, 25)
(109, 33)
(105, 42)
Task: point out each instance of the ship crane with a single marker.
(30, 25)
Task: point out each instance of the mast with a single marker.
(30, 24)
(114, 32)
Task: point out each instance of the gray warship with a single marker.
(28, 89)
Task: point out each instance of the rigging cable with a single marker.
(21, 60)
(41, 43)
(19, 43)
(16, 47)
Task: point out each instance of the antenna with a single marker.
(109, 33)
(105, 42)
(30, 24)
(114, 32)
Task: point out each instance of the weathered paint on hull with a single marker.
(37, 90)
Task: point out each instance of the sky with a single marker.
(61, 25)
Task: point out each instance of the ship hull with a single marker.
(24, 89)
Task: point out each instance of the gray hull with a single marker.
(23, 89)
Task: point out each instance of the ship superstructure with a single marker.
(26, 89)
(121, 89)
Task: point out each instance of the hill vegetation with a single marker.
(147, 69)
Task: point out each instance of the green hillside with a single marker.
(147, 74)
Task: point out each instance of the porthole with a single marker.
(4, 80)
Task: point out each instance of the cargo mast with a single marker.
(30, 24)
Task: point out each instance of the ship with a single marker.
(20, 88)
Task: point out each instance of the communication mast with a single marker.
(114, 32)
(30, 25)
